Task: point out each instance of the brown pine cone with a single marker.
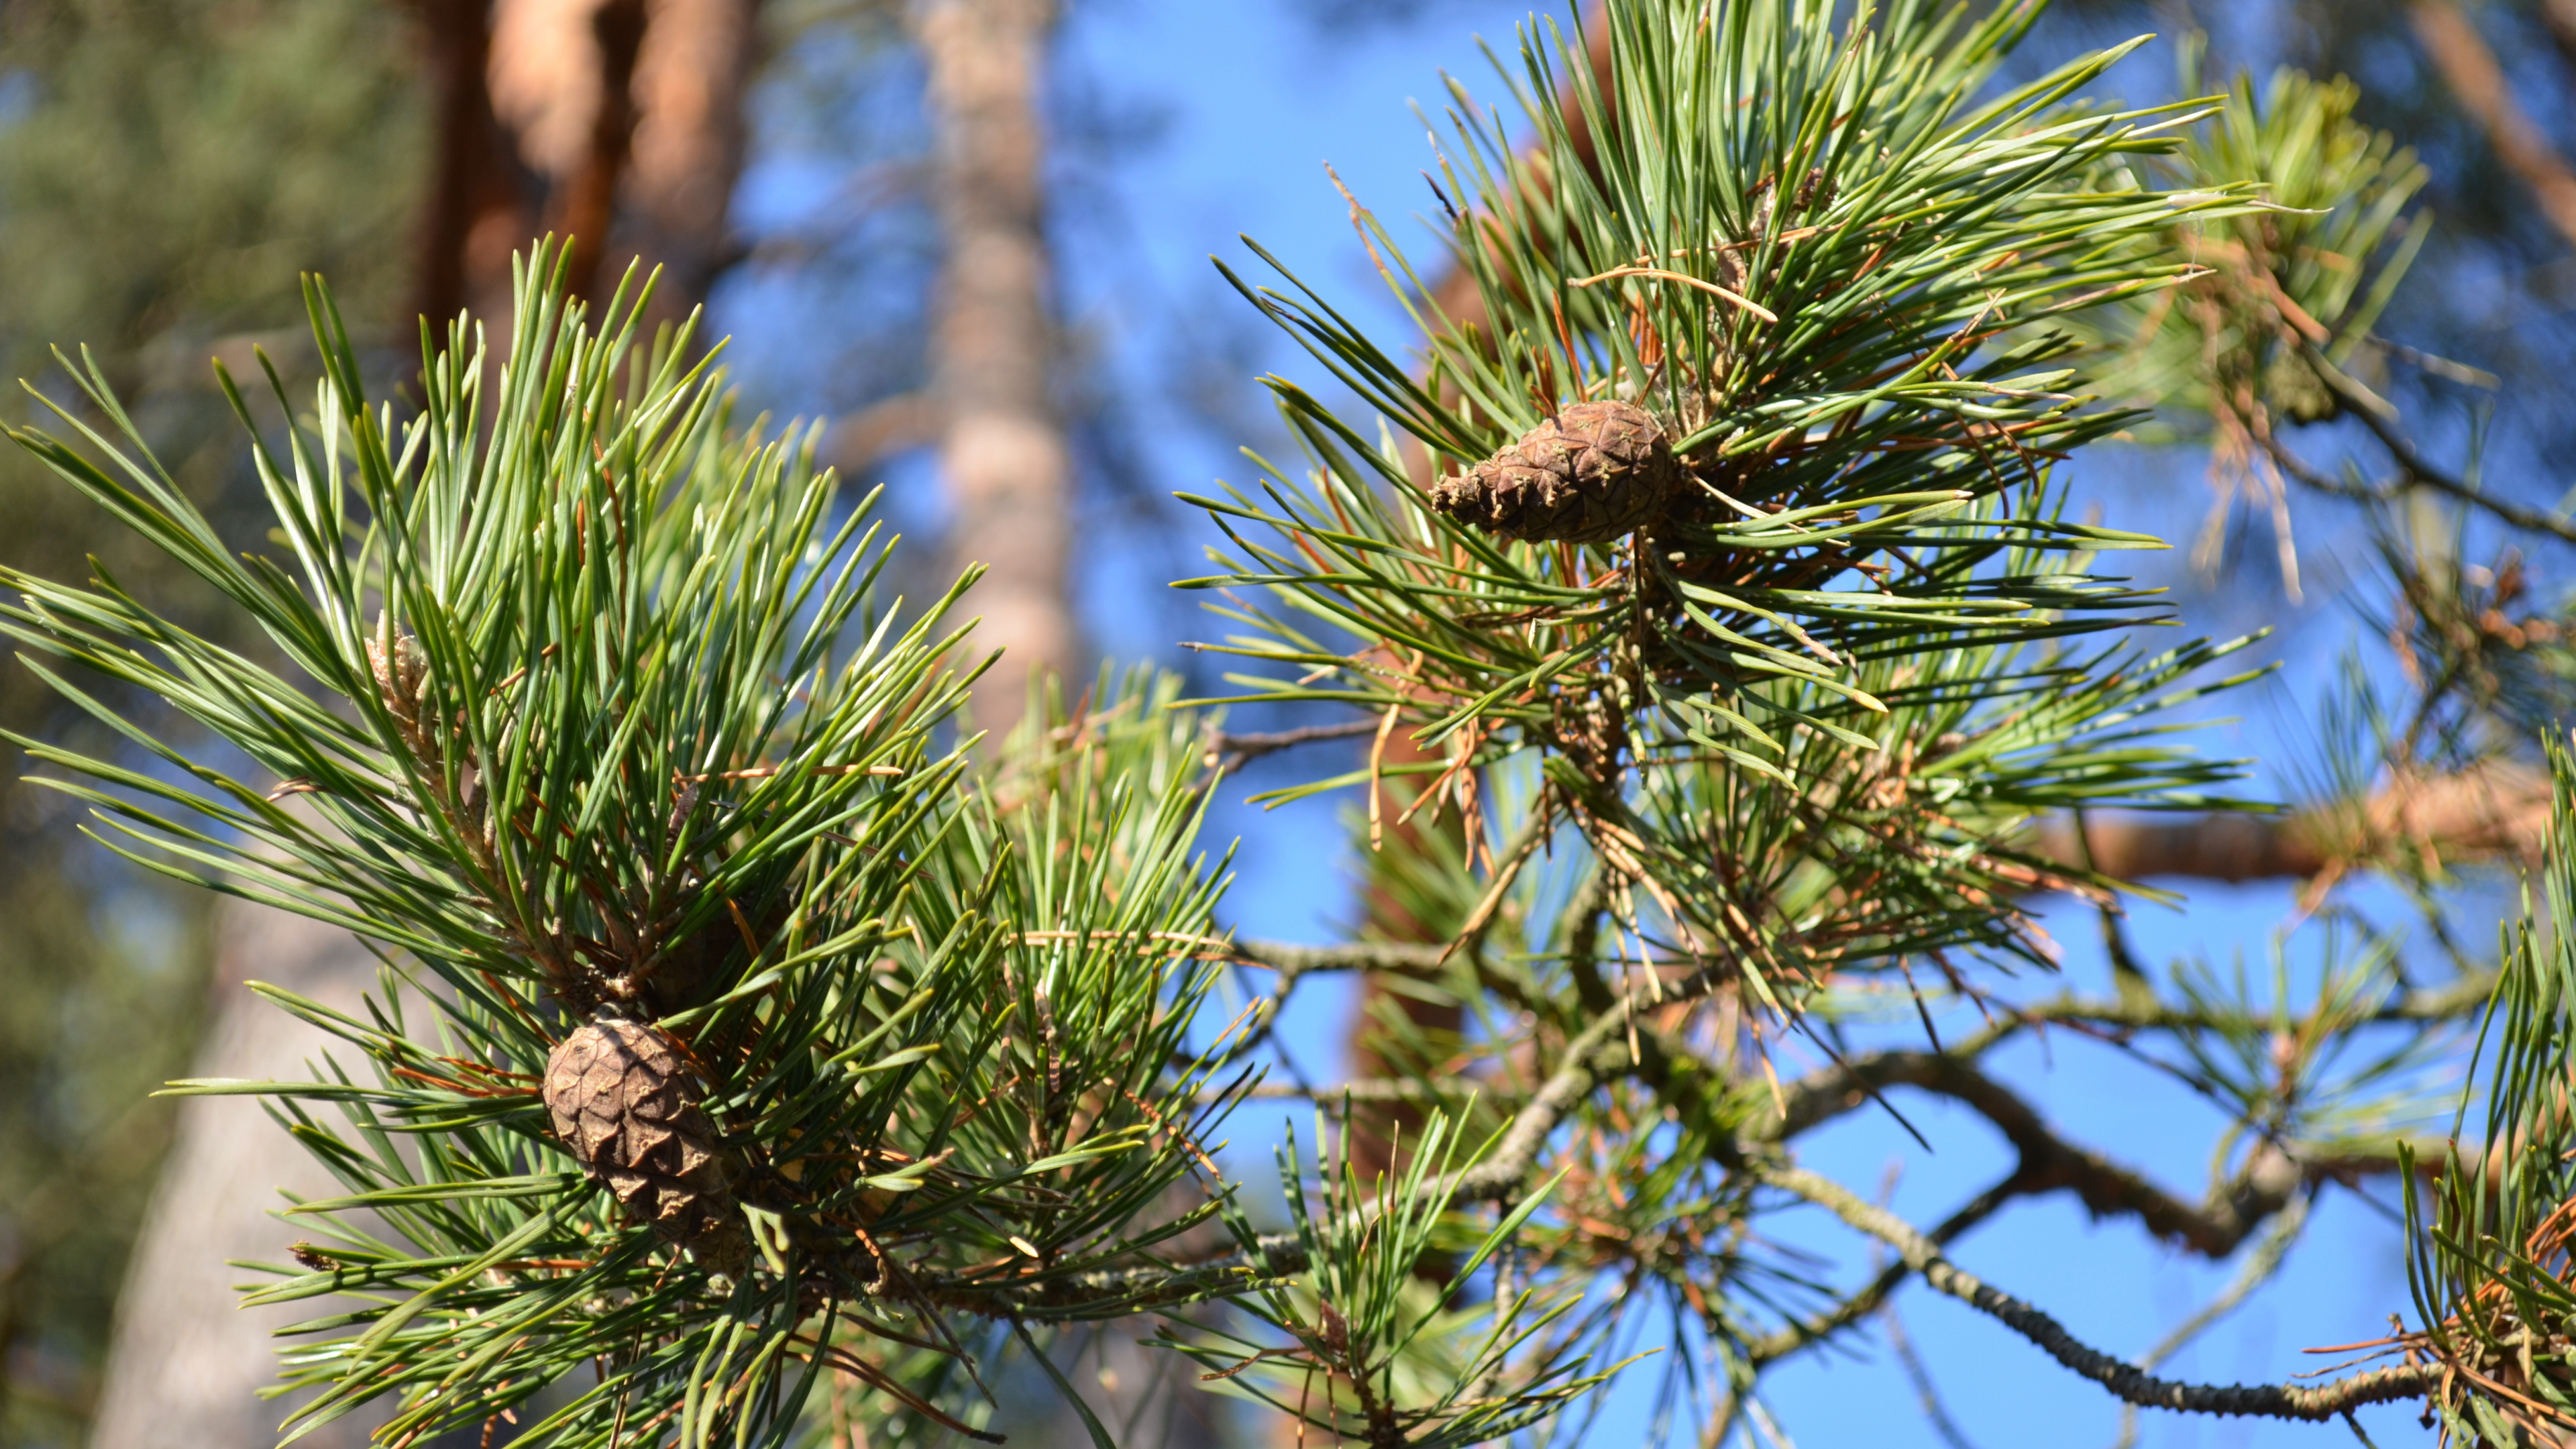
(1594, 471)
(624, 1103)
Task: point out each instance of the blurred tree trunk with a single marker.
(618, 122)
(481, 195)
(1009, 474)
(1002, 447)
(188, 1361)
(621, 121)
(691, 80)
(2496, 813)
(2560, 17)
(584, 207)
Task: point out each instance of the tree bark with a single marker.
(691, 79)
(630, 113)
(481, 197)
(585, 205)
(1001, 445)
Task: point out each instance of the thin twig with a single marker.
(1809, 1331)
(2410, 462)
(1828, 1093)
(1925, 1392)
(2213, 1228)
(2469, 65)
(2258, 1269)
(1229, 752)
(1293, 964)
(2125, 1379)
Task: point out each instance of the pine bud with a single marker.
(1593, 472)
(2292, 388)
(624, 1103)
(400, 671)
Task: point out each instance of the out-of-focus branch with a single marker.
(2451, 1002)
(2495, 812)
(2413, 468)
(690, 132)
(2452, 41)
(1293, 963)
(1926, 1393)
(1231, 751)
(1362, 1089)
(2048, 1162)
(2560, 17)
(2125, 1379)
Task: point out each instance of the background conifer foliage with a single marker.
(775, 1025)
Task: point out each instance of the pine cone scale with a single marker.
(623, 1103)
(1591, 473)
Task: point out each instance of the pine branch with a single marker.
(2121, 1377)
(1807, 1332)
(2412, 466)
(1230, 752)
(1593, 1056)
(1293, 962)
(2492, 812)
(2257, 1270)
(1505, 1171)
(2455, 1001)
(1829, 1092)
(2048, 1162)
(1782, 691)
